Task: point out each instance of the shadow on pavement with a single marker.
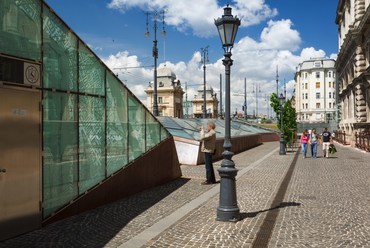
(97, 227)
(281, 205)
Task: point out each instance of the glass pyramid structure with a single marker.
(92, 125)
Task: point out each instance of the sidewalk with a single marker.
(285, 201)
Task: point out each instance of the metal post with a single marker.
(277, 80)
(221, 96)
(282, 140)
(155, 56)
(204, 93)
(245, 100)
(186, 100)
(204, 60)
(285, 89)
(257, 101)
(228, 209)
(325, 120)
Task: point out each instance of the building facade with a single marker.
(353, 20)
(315, 91)
(169, 93)
(211, 103)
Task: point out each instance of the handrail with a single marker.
(340, 137)
(363, 140)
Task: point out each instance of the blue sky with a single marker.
(273, 32)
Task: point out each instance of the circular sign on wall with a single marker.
(32, 74)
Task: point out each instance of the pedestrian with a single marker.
(326, 139)
(304, 141)
(208, 147)
(313, 139)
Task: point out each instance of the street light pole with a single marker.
(245, 100)
(155, 56)
(204, 61)
(221, 96)
(277, 80)
(228, 209)
(282, 150)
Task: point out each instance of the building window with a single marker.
(329, 84)
(333, 105)
(317, 74)
(317, 85)
(329, 74)
(333, 74)
(161, 84)
(306, 95)
(303, 96)
(306, 105)
(317, 95)
(160, 99)
(303, 105)
(302, 86)
(306, 86)
(329, 94)
(318, 105)
(329, 104)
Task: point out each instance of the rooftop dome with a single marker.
(165, 72)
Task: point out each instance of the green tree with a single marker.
(289, 117)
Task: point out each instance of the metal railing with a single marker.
(340, 136)
(363, 140)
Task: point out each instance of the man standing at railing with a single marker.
(326, 139)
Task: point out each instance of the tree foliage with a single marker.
(289, 117)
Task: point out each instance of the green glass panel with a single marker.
(60, 150)
(116, 125)
(152, 131)
(20, 28)
(136, 128)
(60, 54)
(164, 133)
(91, 72)
(92, 142)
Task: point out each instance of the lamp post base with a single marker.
(228, 215)
(228, 209)
(282, 146)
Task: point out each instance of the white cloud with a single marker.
(199, 15)
(310, 52)
(280, 35)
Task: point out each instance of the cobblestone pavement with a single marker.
(326, 204)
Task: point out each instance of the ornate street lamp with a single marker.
(228, 209)
(282, 140)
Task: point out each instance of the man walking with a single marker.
(326, 138)
(208, 147)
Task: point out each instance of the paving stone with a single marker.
(327, 204)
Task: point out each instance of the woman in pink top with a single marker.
(304, 141)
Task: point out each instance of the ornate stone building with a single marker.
(353, 71)
(211, 103)
(169, 92)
